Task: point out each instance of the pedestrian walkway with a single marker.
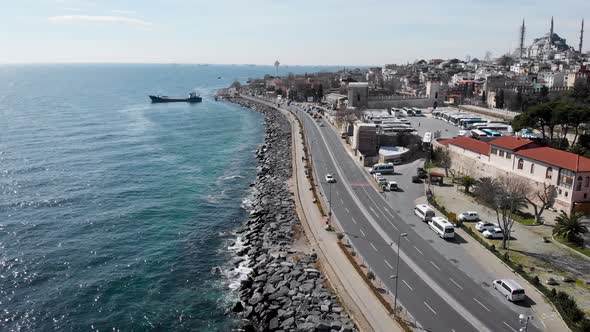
(526, 241)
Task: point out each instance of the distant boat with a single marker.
(218, 77)
(192, 98)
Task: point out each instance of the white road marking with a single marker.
(354, 221)
(421, 253)
(405, 237)
(342, 201)
(481, 304)
(386, 262)
(429, 307)
(453, 330)
(397, 229)
(407, 285)
(346, 209)
(509, 326)
(438, 268)
(456, 284)
(372, 245)
(364, 235)
(375, 213)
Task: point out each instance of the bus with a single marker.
(442, 227)
(491, 133)
(476, 133)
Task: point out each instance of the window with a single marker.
(566, 194)
(549, 173)
(579, 184)
(587, 182)
(566, 178)
(532, 168)
(508, 155)
(585, 195)
(494, 151)
(520, 163)
(501, 154)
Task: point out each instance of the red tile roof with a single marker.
(559, 158)
(510, 142)
(470, 144)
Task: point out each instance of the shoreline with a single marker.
(282, 287)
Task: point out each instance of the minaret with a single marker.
(551, 32)
(581, 37)
(522, 30)
(277, 63)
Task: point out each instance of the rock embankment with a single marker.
(284, 290)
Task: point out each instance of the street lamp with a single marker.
(396, 276)
(524, 322)
(330, 203)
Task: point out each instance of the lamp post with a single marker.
(524, 322)
(396, 276)
(330, 204)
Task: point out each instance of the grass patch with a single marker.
(580, 249)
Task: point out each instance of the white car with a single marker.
(495, 233)
(330, 178)
(377, 175)
(485, 225)
(468, 216)
(381, 180)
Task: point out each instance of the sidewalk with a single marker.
(357, 297)
(526, 243)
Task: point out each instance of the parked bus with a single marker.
(476, 133)
(491, 133)
(382, 168)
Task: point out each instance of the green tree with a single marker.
(467, 182)
(570, 227)
(443, 159)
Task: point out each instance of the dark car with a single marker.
(416, 179)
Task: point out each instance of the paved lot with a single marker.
(427, 123)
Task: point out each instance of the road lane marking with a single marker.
(354, 221)
(372, 245)
(346, 209)
(397, 229)
(386, 262)
(405, 237)
(481, 304)
(375, 213)
(359, 183)
(342, 201)
(438, 268)
(509, 326)
(456, 284)
(412, 289)
(429, 307)
(421, 253)
(364, 235)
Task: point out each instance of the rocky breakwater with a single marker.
(284, 290)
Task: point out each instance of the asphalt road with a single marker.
(438, 295)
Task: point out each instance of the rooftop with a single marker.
(470, 144)
(510, 142)
(559, 158)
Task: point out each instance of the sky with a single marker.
(296, 32)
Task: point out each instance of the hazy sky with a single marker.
(362, 32)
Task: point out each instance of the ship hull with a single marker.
(158, 99)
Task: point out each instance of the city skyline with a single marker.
(259, 32)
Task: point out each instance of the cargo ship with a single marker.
(192, 98)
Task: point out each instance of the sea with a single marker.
(115, 212)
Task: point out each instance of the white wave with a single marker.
(239, 273)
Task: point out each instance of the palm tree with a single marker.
(570, 227)
(467, 182)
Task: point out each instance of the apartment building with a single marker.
(539, 165)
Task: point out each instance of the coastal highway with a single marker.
(439, 296)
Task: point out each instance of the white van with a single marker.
(510, 289)
(424, 212)
(442, 227)
(382, 168)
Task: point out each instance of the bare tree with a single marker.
(443, 158)
(541, 199)
(505, 196)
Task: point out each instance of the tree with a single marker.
(236, 84)
(570, 227)
(506, 60)
(505, 196)
(541, 199)
(467, 182)
(320, 93)
(443, 159)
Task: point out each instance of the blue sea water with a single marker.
(113, 211)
